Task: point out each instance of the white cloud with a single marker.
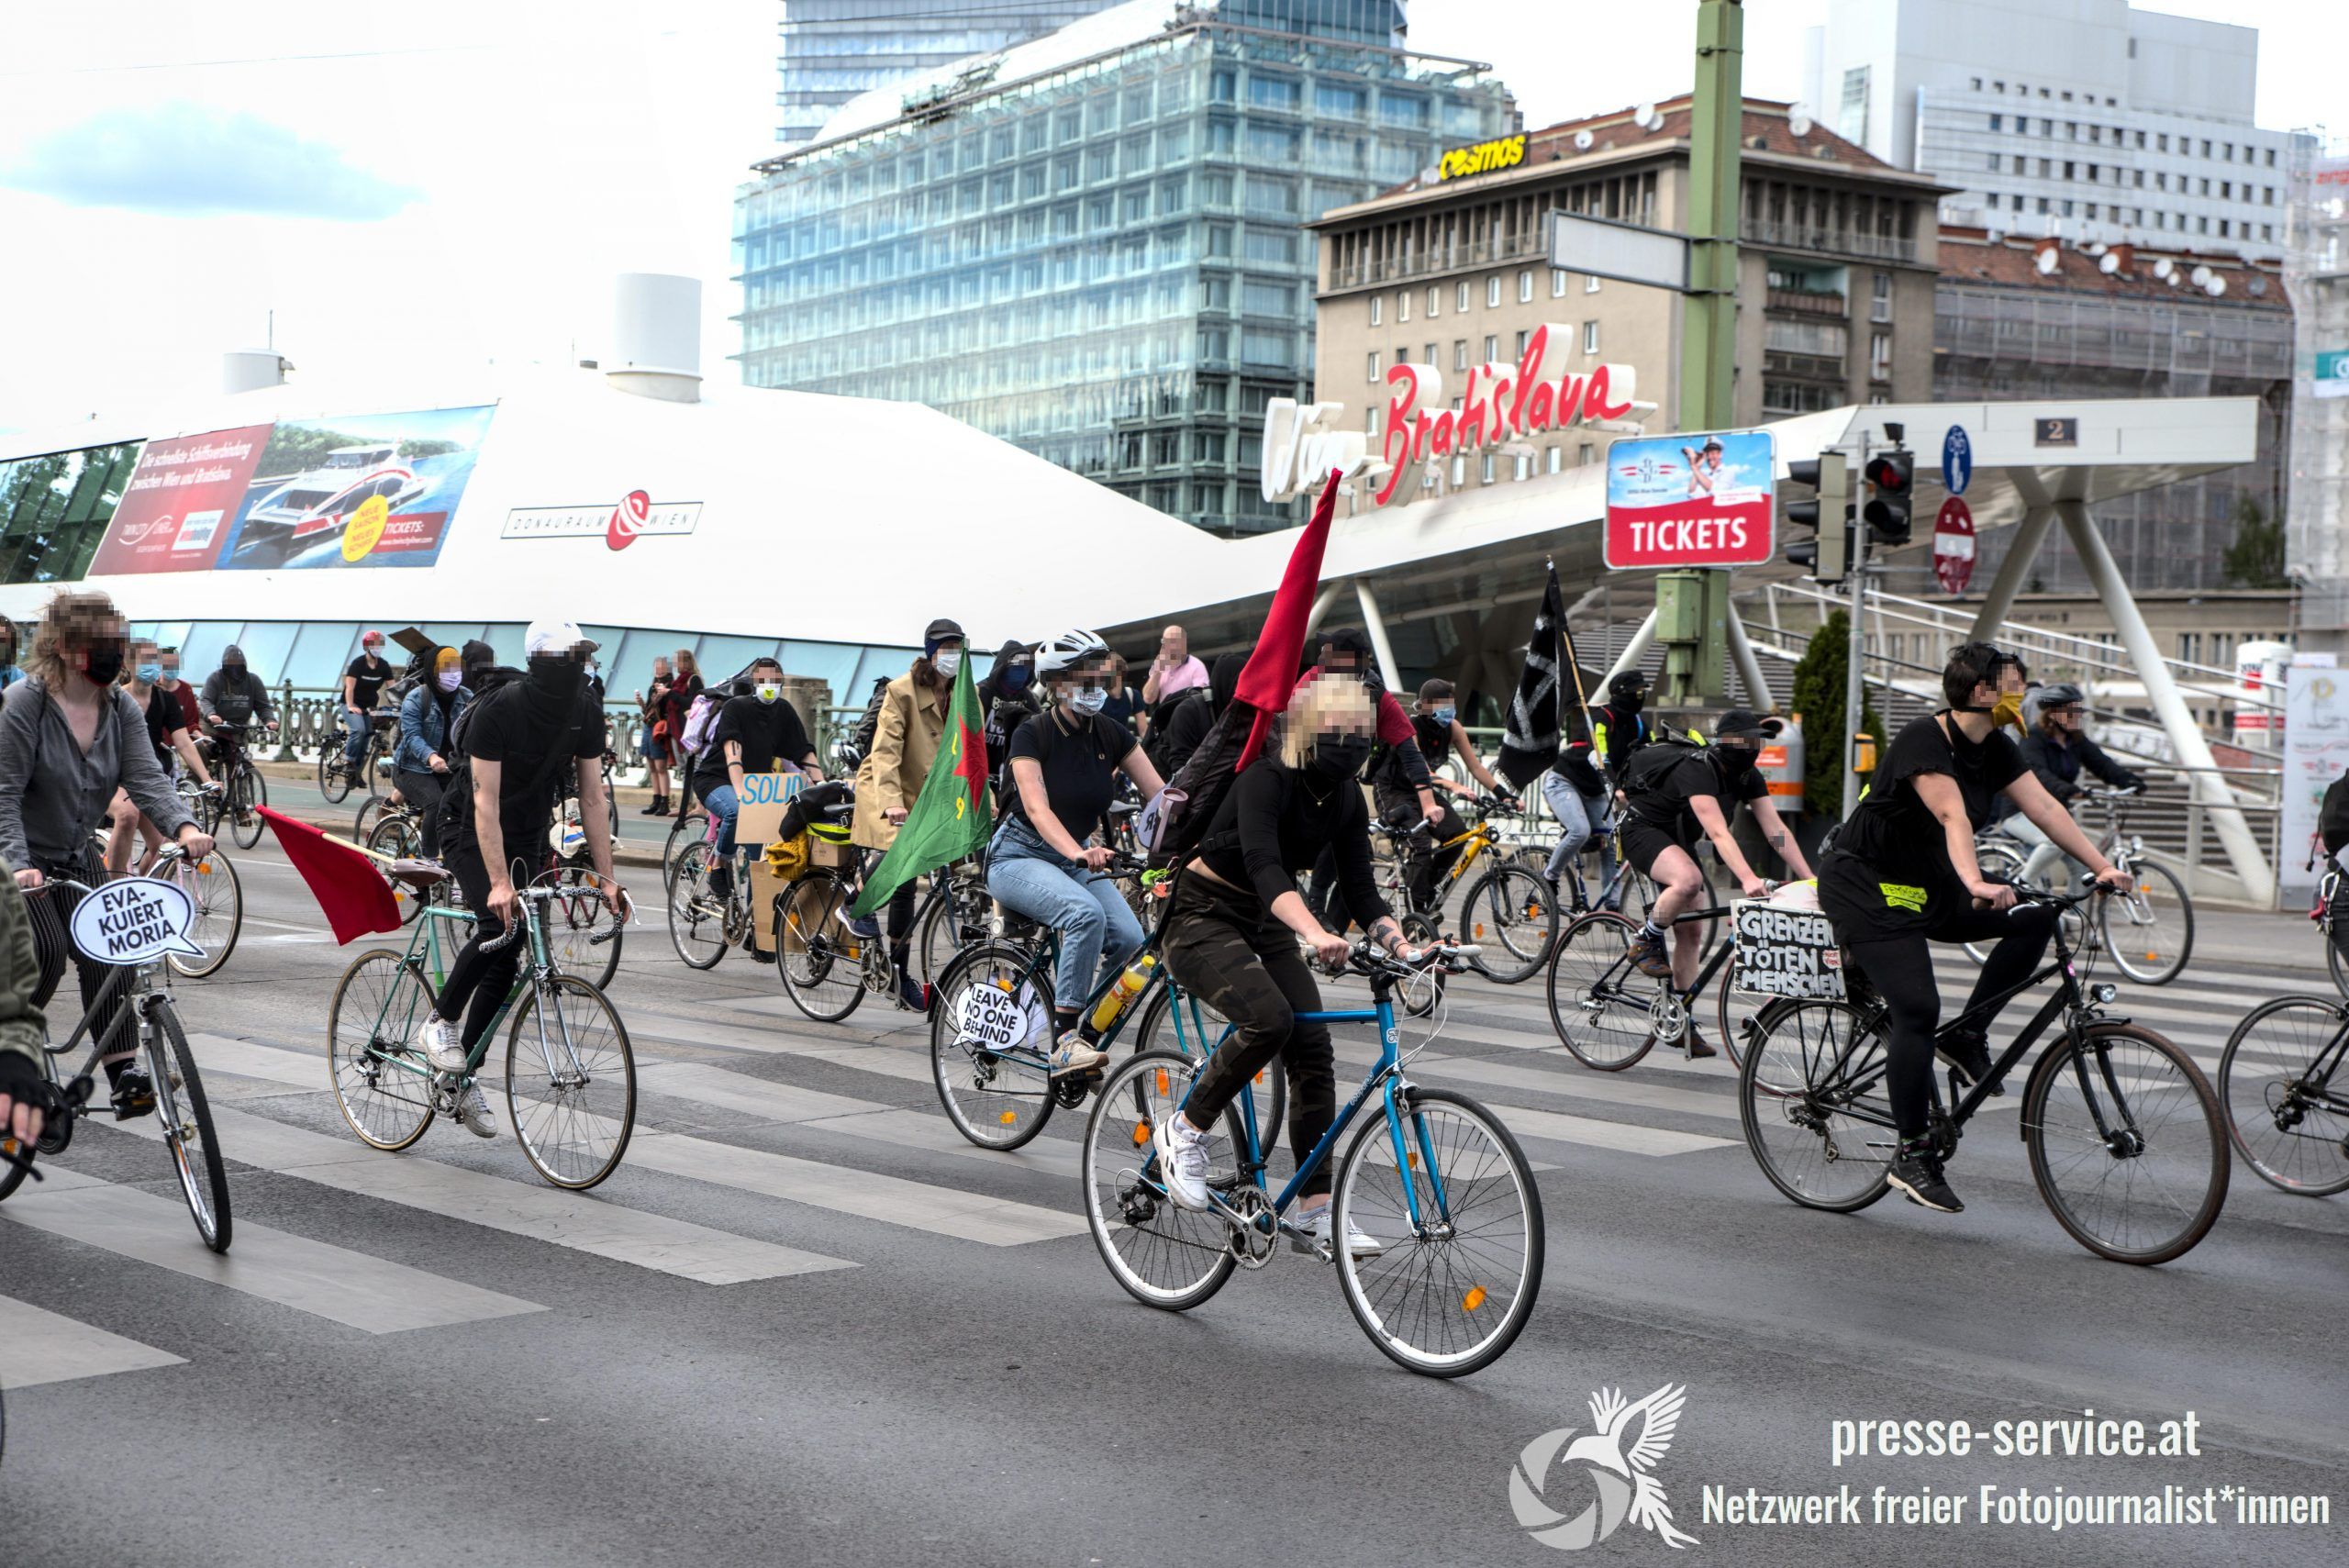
(195, 160)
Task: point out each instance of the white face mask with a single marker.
(1089, 699)
(946, 660)
(767, 691)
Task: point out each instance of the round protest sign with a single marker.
(136, 921)
(991, 1019)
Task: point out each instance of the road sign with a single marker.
(1702, 498)
(2331, 373)
(1957, 460)
(1627, 252)
(1954, 545)
(2055, 433)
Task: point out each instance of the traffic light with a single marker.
(1894, 476)
(1826, 556)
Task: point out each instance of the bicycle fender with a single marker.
(2045, 1063)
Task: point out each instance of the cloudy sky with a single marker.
(434, 183)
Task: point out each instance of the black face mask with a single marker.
(557, 679)
(102, 663)
(1735, 762)
(1339, 757)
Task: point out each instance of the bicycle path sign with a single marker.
(135, 920)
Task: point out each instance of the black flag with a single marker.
(1529, 740)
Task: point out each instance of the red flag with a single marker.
(1270, 677)
(352, 893)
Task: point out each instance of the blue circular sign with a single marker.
(1957, 460)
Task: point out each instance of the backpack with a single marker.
(859, 744)
(1161, 725)
(701, 718)
(1172, 826)
(2332, 815)
(1645, 769)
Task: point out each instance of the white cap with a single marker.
(551, 637)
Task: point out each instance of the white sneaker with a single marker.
(1073, 1056)
(1317, 1227)
(437, 1037)
(1182, 1160)
(472, 1110)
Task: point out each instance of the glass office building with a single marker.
(1094, 252)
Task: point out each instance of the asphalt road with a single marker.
(429, 1357)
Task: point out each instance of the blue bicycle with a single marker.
(1433, 1179)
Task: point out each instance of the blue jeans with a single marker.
(1026, 876)
(1580, 818)
(356, 726)
(723, 809)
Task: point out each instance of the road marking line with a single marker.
(38, 1346)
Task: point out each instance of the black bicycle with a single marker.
(241, 785)
(337, 775)
(2125, 1137)
(2287, 1094)
(1609, 1014)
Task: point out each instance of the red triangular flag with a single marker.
(1270, 677)
(352, 893)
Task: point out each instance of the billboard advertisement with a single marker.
(184, 489)
(1703, 498)
(369, 490)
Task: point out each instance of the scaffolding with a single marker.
(2316, 271)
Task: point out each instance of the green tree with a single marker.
(2255, 559)
(1820, 686)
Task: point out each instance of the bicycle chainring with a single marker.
(1253, 1242)
(1071, 1090)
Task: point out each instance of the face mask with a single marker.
(449, 680)
(374, 651)
(767, 692)
(1016, 679)
(594, 671)
(170, 679)
(233, 667)
(2008, 710)
(946, 662)
(103, 663)
(1445, 714)
(1735, 760)
(1089, 700)
(153, 674)
(557, 678)
(1337, 757)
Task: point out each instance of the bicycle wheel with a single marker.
(2149, 929)
(1999, 863)
(12, 1176)
(2278, 1078)
(690, 827)
(996, 1090)
(1811, 1097)
(1175, 1020)
(382, 1086)
(249, 791)
(1458, 1221)
(1735, 1013)
(2127, 1143)
(1513, 913)
(576, 922)
(219, 900)
(398, 837)
(333, 782)
(953, 921)
(187, 1120)
(696, 916)
(570, 1082)
(1164, 1255)
(370, 811)
(1599, 1004)
(821, 960)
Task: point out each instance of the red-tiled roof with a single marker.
(1969, 255)
(1764, 118)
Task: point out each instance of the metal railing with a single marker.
(1840, 241)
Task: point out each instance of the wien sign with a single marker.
(1499, 402)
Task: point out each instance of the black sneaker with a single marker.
(1969, 1056)
(912, 994)
(1918, 1175)
(722, 882)
(134, 1094)
(1694, 1044)
(1648, 956)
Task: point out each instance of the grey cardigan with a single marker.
(52, 796)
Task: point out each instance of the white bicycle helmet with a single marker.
(1069, 647)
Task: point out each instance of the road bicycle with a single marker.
(570, 1075)
(182, 1113)
(241, 784)
(337, 775)
(2328, 894)
(398, 833)
(2125, 1137)
(690, 826)
(1432, 1177)
(2282, 1080)
(2151, 934)
(1507, 904)
(1608, 1015)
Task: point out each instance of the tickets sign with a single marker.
(1698, 499)
(135, 920)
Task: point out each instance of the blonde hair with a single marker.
(1321, 704)
(67, 621)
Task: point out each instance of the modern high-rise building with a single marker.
(2087, 120)
(1091, 245)
(833, 50)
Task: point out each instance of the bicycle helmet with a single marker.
(1067, 650)
(2063, 693)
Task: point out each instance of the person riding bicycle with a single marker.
(24, 1027)
(1064, 765)
(906, 739)
(1902, 872)
(1436, 731)
(2057, 748)
(1232, 928)
(362, 684)
(1008, 698)
(754, 734)
(237, 697)
(516, 745)
(1618, 728)
(426, 755)
(69, 739)
(167, 732)
(1672, 793)
(1347, 651)
(1581, 800)
(181, 691)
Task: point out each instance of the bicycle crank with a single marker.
(1255, 1226)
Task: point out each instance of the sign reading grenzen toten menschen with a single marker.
(1785, 953)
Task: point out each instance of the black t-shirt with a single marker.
(503, 726)
(1390, 772)
(1665, 802)
(163, 716)
(1890, 869)
(769, 733)
(1079, 764)
(370, 679)
(1006, 714)
(1275, 821)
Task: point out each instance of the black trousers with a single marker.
(423, 791)
(1225, 947)
(51, 914)
(1901, 969)
(474, 976)
(1424, 859)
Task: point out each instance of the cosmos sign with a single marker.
(635, 516)
(1485, 158)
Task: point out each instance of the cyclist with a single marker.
(1347, 651)
(1436, 730)
(167, 732)
(1618, 728)
(362, 684)
(1686, 791)
(1578, 798)
(1064, 765)
(1009, 699)
(516, 746)
(2056, 749)
(1902, 872)
(427, 754)
(1232, 930)
(68, 741)
(191, 709)
(906, 739)
(238, 698)
(754, 734)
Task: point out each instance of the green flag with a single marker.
(949, 819)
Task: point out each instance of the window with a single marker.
(1524, 469)
(1435, 301)
(1557, 458)
(1430, 358)
(1460, 353)
(2206, 147)
(1591, 283)
(1275, 93)
(1525, 286)
(1492, 291)
(1998, 122)
(2020, 163)
(1492, 348)
(1993, 164)
(1880, 297)
(1403, 306)
(1329, 99)
(1852, 118)
(2161, 141)
(1460, 298)
(1558, 281)
(1879, 356)
(1522, 337)
(1262, 296)
(1591, 337)
(1402, 353)
(1374, 364)
(1484, 468)
(2189, 646)
(1584, 454)
(1378, 309)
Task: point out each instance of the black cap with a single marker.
(1625, 684)
(1741, 723)
(940, 631)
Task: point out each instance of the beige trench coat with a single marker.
(911, 731)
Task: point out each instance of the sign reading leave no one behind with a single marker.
(136, 921)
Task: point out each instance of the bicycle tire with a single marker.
(1599, 1005)
(210, 885)
(1380, 1303)
(2201, 1149)
(697, 930)
(184, 1114)
(1999, 863)
(1734, 1012)
(824, 976)
(1202, 1030)
(1123, 1198)
(378, 1005)
(1789, 1081)
(248, 792)
(965, 1075)
(334, 780)
(2267, 1109)
(2149, 960)
(1522, 913)
(571, 1114)
(691, 827)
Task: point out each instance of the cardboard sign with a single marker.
(987, 1017)
(136, 921)
(764, 799)
(1785, 953)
